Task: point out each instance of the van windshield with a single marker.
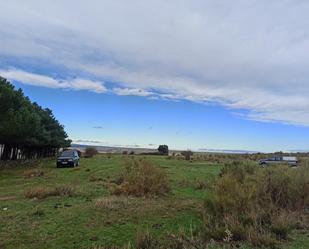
(67, 153)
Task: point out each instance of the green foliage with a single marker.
(187, 154)
(91, 218)
(26, 127)
(255, 204)
(141, 178)
(90, 152)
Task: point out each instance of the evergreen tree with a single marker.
(26, 129)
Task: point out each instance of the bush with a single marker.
(200, 184)
(187, 154)
(44, 192)
(239, 169)
(141, 178)
(255, 204)
(144, 240)
(90, 152)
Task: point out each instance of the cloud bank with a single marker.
(46, 81)
(245, 55)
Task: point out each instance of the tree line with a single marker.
(27, 131)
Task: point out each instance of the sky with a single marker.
(203, 74)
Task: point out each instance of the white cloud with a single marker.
(243, 54)
(45, 81)
(132, 91)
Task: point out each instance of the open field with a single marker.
(80, 213)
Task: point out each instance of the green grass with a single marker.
(74, 222)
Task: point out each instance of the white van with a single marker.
(290, 160)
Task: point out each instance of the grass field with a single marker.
(77, 222)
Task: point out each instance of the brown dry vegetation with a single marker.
(258, 205)
(33, 173)
(44, 192)
(90, 152)
(112, 203)
(247, 203)
(140, 178)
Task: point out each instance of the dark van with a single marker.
(68, 158)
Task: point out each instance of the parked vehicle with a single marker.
(290, 160)
(68, 158)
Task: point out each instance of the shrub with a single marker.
(187, 154)
(38, 212)
(38, 192)
(90, 152)
(44, 192)
(181, 240)
(239, 169)
(63, 190)
(282, 224)
(144, 240)
(141, 178)
(200, 184)
(255, 204)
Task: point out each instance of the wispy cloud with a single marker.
(98, 127)
(46, 81)
(251, 55)
(132, 91)
(88, 141)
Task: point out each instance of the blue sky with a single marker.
(109, 119)
(190, 74)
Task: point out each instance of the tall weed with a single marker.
(141, 178)
(260, 205)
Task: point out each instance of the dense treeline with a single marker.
(27, 131)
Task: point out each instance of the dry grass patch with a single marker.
(127, 246)
(94, 178)
(44, 192)
(33, 173)
(141, 178)
(111, 203)
(201, 184)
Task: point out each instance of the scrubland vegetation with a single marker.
(262, 206)
(90, 152)
(123, 201)
(44, 192)
(140, 178)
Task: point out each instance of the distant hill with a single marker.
(111, 149)
(229, 151)
(138, 150)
